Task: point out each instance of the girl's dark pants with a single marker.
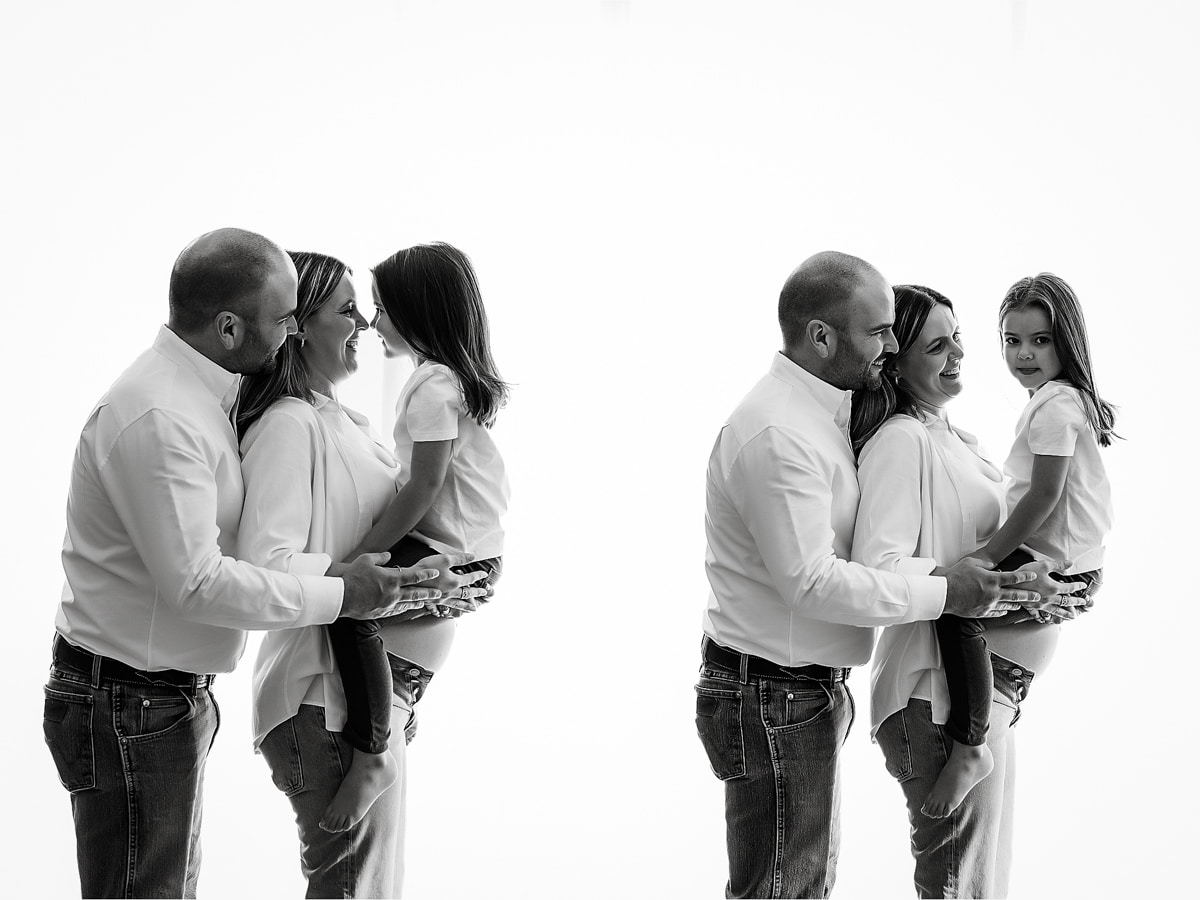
(363, 661)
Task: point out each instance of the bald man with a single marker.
(788, 615)
(154, 603)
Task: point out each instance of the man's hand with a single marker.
(974, 592)
(373, 592)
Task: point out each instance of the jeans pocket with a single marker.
(146, 714)
(281, 750)
(892, 738)
(719, 724)
(67, 723)
(795, 706)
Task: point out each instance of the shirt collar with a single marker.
(832, 399)
(220, 381)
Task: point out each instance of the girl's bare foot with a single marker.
(966, 767)
(370, 775)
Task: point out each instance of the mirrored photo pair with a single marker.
(220, 487)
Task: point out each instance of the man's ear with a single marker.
(822, 338)
(231, 330)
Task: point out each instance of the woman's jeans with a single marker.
(308, 764)
(362, 660)
(132, 755)
(775, 742)
(969, 852)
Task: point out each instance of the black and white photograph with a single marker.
(600, 448)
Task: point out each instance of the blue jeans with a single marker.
(132, 757)
(775, 743)
(968, 853)
(308, 763)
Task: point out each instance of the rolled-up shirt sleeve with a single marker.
(888, 526)
(785, 498)
(171, 517)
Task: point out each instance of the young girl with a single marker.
(452, 495)
(1058, 500)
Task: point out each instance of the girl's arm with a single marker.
(1046, 483)
(430, 463)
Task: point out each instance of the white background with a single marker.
(634, 182)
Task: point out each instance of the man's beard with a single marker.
(852, 376)
(255, 359)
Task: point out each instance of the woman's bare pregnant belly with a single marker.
(1029, 644)
(425, 640)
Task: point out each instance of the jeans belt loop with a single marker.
(96, 660)
(744, 667)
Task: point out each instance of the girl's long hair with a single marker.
(1069, 334)
(430, 293)
(317, 275)
(869, 409)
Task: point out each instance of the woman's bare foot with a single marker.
(966, 767)
(370, 775)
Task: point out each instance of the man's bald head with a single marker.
(821, 288)
(224, 270)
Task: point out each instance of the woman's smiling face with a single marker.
(331, 337)
(930, 368)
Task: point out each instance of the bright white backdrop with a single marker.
(634, 181)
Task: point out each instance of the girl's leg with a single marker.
(367, 681)
(969, 681)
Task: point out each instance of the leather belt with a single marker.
(763, 668)
(84, 662)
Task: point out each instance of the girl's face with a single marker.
(930, 368)
(1029, 347)
(331, 337)
(394, 346)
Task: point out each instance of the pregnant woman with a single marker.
(928, 498)
(316, 481)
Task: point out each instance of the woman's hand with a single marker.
(1056, 602)
(458, 593)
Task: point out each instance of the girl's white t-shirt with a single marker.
(1054, 423)
(465, 515)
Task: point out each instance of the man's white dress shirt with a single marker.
(782, 494)
(152, 524)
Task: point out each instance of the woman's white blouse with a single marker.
(315, 483)
(928, 498)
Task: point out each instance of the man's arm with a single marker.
(162, 487)
(786, 500)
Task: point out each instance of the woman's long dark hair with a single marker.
(317, 275)
(430, 293)
(1052, 294)
(870, 409)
